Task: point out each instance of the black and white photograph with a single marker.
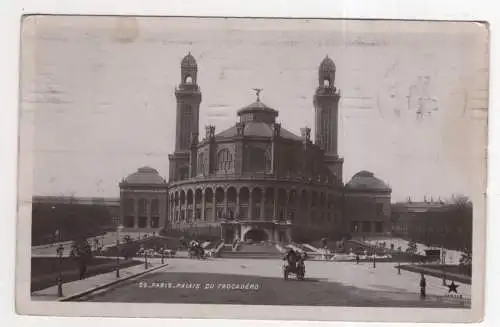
(282, 165)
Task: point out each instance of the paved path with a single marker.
(327, 283)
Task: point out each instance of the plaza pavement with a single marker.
(383, 278)
(327, 283)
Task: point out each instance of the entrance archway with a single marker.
(256, 235)
(228, 235)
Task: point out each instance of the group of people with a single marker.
(293, 258)
(195, 249)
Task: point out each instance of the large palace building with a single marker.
(256, 180)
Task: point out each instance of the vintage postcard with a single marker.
(252, 168)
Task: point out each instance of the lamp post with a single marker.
(399, 261)
(145, 259)
(60, 250)
(399, 264)
(162, 256)
(118, 230)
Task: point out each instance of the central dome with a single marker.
(257, 120)
(257, 106)
(257, 112)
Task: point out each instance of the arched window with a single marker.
(224, 160)
(326, 82)
(188, 80)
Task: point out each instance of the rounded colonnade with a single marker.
(195, 204)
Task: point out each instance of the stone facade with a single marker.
(255, 180)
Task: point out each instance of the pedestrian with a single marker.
(83, 268)
(423, 285)
(357, 258)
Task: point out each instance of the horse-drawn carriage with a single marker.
(196, 251)
(294, 264)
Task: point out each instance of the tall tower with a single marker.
(188, 97)
(188, 104)
(326, 106)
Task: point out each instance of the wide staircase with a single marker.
(251, 251)
(301, 247)
(355, 244)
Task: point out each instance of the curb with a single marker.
(450, 277)
(100, 287)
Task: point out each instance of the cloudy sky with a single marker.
(100, 94)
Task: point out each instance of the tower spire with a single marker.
(326, 110)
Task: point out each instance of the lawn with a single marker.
(45, 271)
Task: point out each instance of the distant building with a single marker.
(70, 218)
(112, 204)
(256, 180)
(434, 223)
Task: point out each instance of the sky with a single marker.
(99, 92)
